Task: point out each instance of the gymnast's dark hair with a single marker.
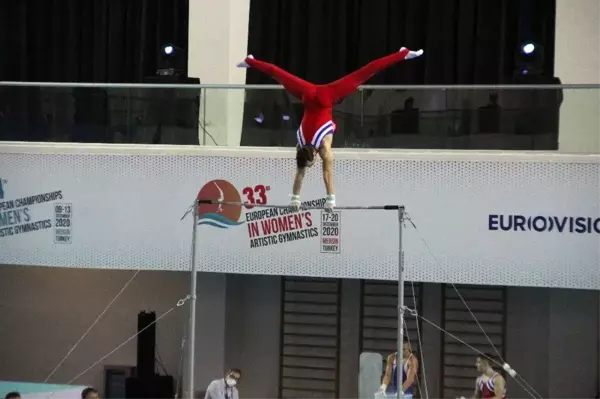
(88, 391)
(12, 395)
(305, 155)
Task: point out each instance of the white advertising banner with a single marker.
(481, 218)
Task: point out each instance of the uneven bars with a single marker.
(192, 318)
(304, 208)
(401, 215)
(400, 344)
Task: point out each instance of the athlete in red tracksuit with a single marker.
(316, 130)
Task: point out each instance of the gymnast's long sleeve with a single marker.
(349, 83)
(293, 84)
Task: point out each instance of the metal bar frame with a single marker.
(306, 208)
(279, 87)
(194, 275)
(399, 355)
(193, 292)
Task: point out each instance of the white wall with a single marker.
(218, 39)
(552, 337)
(577, 60)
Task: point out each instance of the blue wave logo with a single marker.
(217, 220)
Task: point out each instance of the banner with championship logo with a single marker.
(510, 219)
(267, 226)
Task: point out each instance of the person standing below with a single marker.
(224, 388)
(409, 369)
(490, 384)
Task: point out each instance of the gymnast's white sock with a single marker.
(244, 64)
(412, 54)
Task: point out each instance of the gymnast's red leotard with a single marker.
(487, 387)
(318, 100)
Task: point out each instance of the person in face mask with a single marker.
(224, 388)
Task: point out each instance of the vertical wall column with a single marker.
(218, 39)
(431, 356)
(547, 329)
(349, 338)
(528, 340)
(252, 332)
(210, 329)
(577, 61)
(573, 320)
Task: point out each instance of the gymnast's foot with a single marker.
(244, 64)
(412, 54)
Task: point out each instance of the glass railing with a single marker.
(413, 117)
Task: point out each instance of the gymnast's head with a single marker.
(89, 393)
(484, 363)
(306, 156)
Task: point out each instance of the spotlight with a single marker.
(171, 60)
(529, 59)
(528, 48)
(171, 50)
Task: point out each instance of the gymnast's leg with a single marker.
(349, 83)
(293, 84)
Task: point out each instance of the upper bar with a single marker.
(354, 208)
(279, 87)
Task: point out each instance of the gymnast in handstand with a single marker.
(315, 134)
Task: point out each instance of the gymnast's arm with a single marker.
(413, 366)
(499, 387)
(327, 157)
(293, 84)
(388, 372)
(349, 83)
(298, 180)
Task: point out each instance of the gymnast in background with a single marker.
(490, 384)
(410, 368)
